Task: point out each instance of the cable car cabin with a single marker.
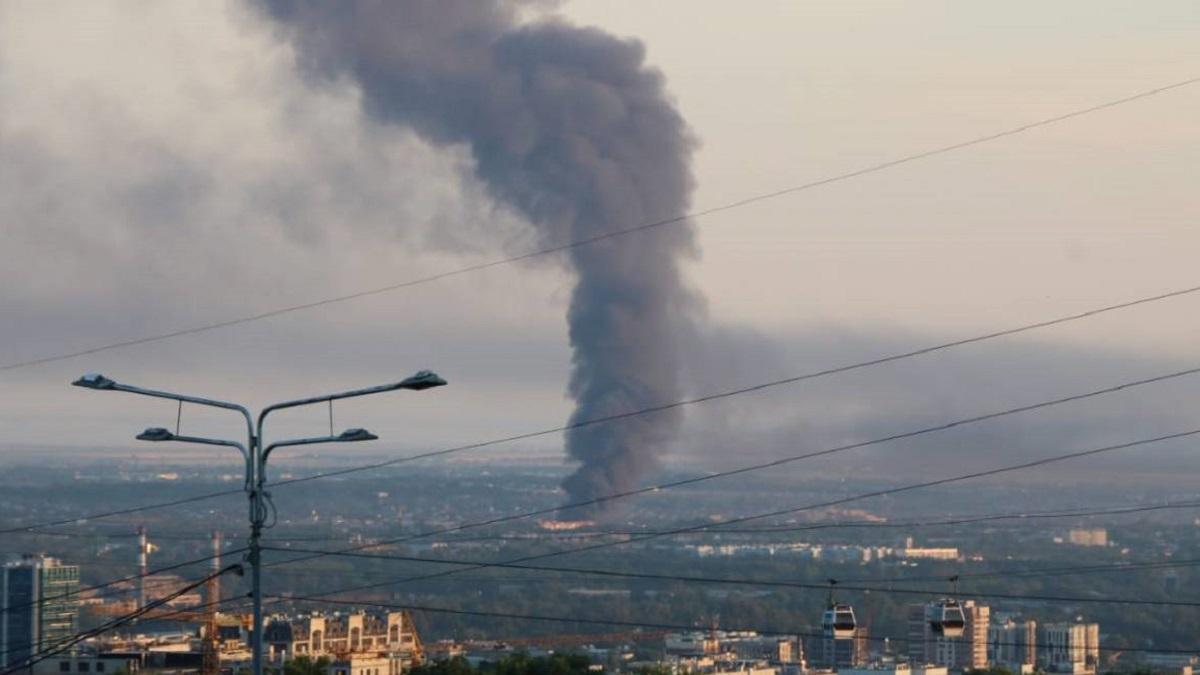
(948, 619)
(839, 619)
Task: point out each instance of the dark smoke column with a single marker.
(569, 127)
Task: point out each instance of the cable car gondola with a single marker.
(948, 619)
(839, 617)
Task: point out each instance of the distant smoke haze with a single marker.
(568, 127)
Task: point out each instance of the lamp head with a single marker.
(424, 379)
(95, 381)
(356, 434)
(156, 434)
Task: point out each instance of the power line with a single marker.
(808, 507)
(863, 524)
(643, 624)
(774, 463)
(817, 585)
(881, 166)
(75, 639)
(158, 536)
(1037, 572)
(850, 524)
(963, 520)
(651, 410)
(786, 460)
(121, 580)
(989, 472)
(777, 383)
(120, 512)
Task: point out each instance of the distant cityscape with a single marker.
(42, 600)
(95, 572)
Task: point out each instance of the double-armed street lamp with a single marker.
(255, 453)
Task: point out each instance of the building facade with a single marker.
(843, 642)
(1013, 644)
(104, 664)
(925, 645)
(40, 606)
(895, 669)
(1094, 536)
(348, 640)
(1069, 647)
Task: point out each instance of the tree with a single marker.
(454, 666)
(990, 670)
(303, 665)
(520, 663)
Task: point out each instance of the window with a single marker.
(64, 666)
(84, 666)
(99, 666)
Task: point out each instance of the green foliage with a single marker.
(516, 664)
(455, 666)
(303, 665)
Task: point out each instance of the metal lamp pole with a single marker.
(256, 455)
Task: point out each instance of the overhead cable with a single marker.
(873, 168)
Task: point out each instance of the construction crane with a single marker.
(206, 616)
(209, 645)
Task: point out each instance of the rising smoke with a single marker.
(569, 127)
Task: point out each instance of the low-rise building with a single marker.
(366, 664)
(390, 636)
(911, 551)
(895, 669)
(1092, 536)
(102, 664)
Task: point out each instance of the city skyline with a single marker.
(596, 336)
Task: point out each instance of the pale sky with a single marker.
(163, 165)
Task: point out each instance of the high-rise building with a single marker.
(927, 645)
(1069, 647)
(1013, 644)
(40, 609)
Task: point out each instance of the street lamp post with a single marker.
(255, 453)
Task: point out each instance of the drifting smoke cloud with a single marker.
(568, 126)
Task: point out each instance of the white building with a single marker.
(912, 552)
(1069, 647)
(691, 644)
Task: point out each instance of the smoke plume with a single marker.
(570, 128)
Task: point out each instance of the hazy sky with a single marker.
(164, 165)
